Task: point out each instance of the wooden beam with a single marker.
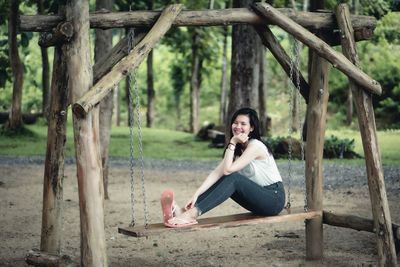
(59, 35)
(86, 137)
(119, 51)
(269, 40)
(366, 120)
(227, 221)
(319, 46)
(316, 120)
(311, 20)
(127, 64)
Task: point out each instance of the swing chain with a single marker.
(131, 135)
(132, 80)
(294, 65)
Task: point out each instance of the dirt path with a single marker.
(20, 220)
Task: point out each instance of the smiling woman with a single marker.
(247, 174)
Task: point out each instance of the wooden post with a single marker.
(54, 164)
(128, 63)
(86, 135)
(268, 39)
(316, 120)
(366, 120)
(51, 231)
(319, 46)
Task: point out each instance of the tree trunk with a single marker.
(150, 91)
(195, 84)
(45, 71)
(245, 66)
(223, 101)
(117, 106)
(86, 137)
(150, 83)
(15, 119)
(262, 92)
(103, 45)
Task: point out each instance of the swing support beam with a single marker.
(319, 46)
(127, 64)
(314, 21)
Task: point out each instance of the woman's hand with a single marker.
(239, 138)
(191, 202)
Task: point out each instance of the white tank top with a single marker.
(263, 172)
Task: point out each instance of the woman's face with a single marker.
(241, 125)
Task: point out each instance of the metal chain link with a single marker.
(131, 133)
(140, 144)
(132, 80)
(290, 132)
(297, 47)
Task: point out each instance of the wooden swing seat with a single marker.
(227, 221)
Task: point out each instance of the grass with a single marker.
(168, 144)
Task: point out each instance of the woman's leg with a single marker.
(253, 197)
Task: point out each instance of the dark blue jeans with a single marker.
(268, 200)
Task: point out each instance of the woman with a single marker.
(248, 174)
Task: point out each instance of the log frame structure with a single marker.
(85, 98)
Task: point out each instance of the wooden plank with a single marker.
(127, 64)
(227, 221)
(376, 181)
(319, 46)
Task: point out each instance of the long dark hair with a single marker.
(254, 122)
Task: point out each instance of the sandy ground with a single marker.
(20, 222)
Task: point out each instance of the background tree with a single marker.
(150, 82)
(103, 44)
(45, 69)
(15, 117)
(245, 65)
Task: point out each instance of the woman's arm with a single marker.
(253, 151)
(211, 179)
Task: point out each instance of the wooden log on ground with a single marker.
(269, 40)
(127, 64)
(86, 137)
(319, 46)
(355, 222)
(376, 181)
(59, 35)
(316, 120)
(43, 259)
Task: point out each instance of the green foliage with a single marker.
(21, 132)
(334, 147)
(388, 28)
(381, 60)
